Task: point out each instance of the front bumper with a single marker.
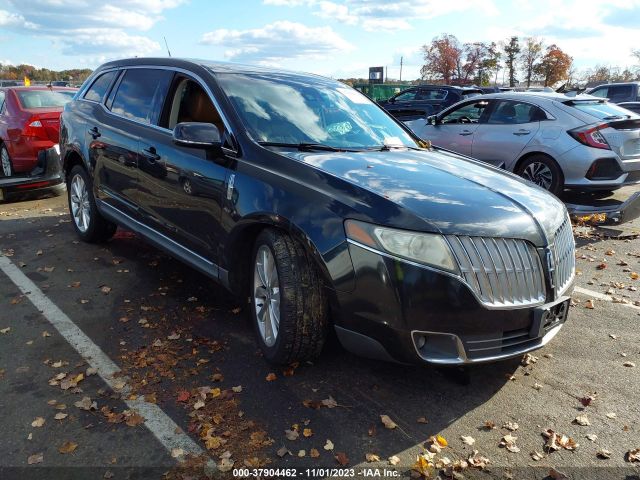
(46, 175)
(395, 302)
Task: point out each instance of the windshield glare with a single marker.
(297, 109)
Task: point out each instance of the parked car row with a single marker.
(556, 141)
(321, 209)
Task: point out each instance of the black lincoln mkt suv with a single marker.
(302, 194)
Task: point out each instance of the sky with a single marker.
(335, 38)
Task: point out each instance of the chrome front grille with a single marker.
(502, 272)
(563, 251)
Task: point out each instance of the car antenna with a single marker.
(167, 45)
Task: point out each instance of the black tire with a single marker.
(99, 229)
(556, 185)
(303, 302)
(3, 152)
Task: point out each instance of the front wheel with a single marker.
(89, 224)
(289, 305)
(544, 172)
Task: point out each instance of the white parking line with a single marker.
(602, 296)
(156, 420)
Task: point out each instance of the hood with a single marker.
(450, 193)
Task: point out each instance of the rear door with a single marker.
(112, 144)
(456, 127)
(509, 128)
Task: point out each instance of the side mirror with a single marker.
(196, 134)
(432, 120)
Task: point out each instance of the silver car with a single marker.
(551, 139)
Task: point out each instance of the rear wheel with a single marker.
(544, 172)
(89, 224)
(289, 303)
(5, 161)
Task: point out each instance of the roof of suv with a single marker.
(539, 95)
(214, 66)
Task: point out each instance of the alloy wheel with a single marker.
(539, 173)
(6, 163)
(80, 205)
(266, 295)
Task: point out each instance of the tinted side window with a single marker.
(141, 94)
(508, 112)
(600, 92)
(1, 102)
(100, 86)
(467, 113)
(619, 93)
(406, 96)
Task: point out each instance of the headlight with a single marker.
(426, 248)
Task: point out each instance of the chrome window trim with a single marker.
(449, 274)
(184, 71)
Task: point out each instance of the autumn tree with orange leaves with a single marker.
(554, 66)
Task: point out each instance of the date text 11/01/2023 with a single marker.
(315, 472)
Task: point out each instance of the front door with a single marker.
(182, 188)
(455, 127)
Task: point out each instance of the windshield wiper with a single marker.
(386, 148)
(303, 146)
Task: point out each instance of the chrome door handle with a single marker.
(522, 132)
(95, 133)
(464, 133)
(150, 154)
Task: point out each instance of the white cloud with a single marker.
(277, 41)
(107, 41)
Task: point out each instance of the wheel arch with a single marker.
(72, 158)
(242, 239)
(533, 153)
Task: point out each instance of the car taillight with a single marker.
(591, 136)
(34, 128)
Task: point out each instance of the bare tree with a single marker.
(529, 56)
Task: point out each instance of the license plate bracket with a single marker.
(549, 316)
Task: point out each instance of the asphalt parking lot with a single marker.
(187, 383)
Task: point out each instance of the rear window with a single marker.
(141, 94)
(44, 98)
(99, 87)
(601, 110)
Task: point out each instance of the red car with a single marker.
(29, 123)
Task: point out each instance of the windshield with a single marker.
(297, 109)
(603, 110)
(44, 98)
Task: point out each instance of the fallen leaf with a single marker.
(611, 415)
(468, 440)
(342, 458)
(603, 453)
(225, 465)
(329, 402)
(302, 453)
(422, 420)
(134, 419)
(634, 276)
(105, 289)
(35, 458)
(582, 419)
(5, 330)
(557, 441)
(509, 442)
(177, 452)
(478, 461)
(237, 389)
(328, 445)
(291, 434)
(314, 453)
(536, 456)
(387, 422)
(592, 436)
(86, 404)
(556, 475)
(489, 425)
(271, 377)
(173, 336)
(441, 441)
(586, 401)
(602, 266)
(394, 460)
(183, 396)
(528, 359)
(610, 252)
(512, 426)
(633, 455)
(67, 447)
(60, 416)
(307, 432)
(282, 451)
(629, 364)
(38, 422)
(198, 405)
(589, 304)
(371, 457)
(91, 371)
